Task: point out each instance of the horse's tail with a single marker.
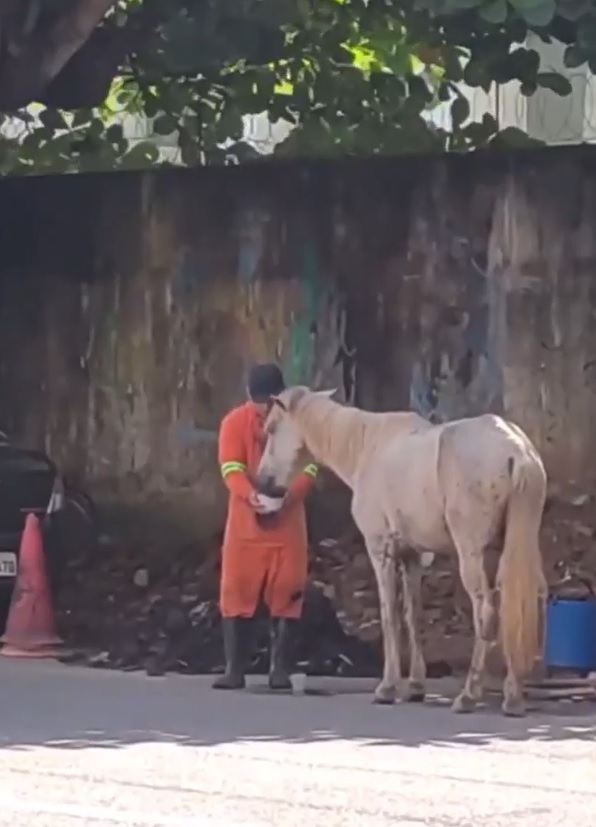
(520, 577)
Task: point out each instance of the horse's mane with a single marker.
(339, 436)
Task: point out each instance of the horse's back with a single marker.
(465, 466)
(485, 447)
(477, 460)
(400, 480)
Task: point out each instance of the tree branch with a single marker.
(68, 35)
(25, 75)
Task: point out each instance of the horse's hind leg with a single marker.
(476, 584)
(475, 581)
(382, 556)
(411, 575)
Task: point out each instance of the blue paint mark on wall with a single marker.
(299, 362)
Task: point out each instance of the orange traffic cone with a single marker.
(30, 629)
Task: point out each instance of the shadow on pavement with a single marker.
(49, 705)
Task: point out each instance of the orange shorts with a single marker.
(253, 571)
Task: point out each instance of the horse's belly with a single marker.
(399, 490)
(418, 521)
(416, 513)
(428, 534)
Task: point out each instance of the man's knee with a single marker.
(285, 600)
(238, 597)
(234, 605)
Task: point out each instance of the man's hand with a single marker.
(256, 503)
(263, 504)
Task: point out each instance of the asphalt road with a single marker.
(85, 747)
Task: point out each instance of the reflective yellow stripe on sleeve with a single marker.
(311, 469)
(229, 467)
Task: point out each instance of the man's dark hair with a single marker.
(265, 380)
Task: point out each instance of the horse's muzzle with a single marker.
(266, 485)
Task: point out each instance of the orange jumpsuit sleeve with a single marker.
(231, 451)
(301, 485)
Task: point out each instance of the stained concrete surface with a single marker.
(87, 747)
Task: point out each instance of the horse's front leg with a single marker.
(382, 556)
(411, 576)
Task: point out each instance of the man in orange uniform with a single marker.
(263, 556)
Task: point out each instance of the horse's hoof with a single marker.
(463, 703)
(513, 708)
(414, 693)
(385, 695)
(383, 701)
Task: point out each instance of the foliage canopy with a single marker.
(351, 76)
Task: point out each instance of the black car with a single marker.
(29, 484)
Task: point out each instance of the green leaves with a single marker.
(52, 120)
(521, 64)
(574, 56)
(494, 11)
(460, 112)
(586, 35)
(555, 82)
(140, 156)
(540, 14)
(351, 76)
(514, 138)
(535, 12)
(165, 124)
(574, 10)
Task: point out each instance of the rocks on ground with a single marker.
(156, 609)
(137, 609)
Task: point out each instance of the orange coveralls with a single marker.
(259, 562)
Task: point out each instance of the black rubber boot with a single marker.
(279, 670)
(236, 636)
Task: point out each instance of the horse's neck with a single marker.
(337, 436)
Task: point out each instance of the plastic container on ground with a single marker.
(571, 635)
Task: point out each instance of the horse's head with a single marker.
(285, 450)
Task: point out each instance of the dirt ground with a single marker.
(140, 603)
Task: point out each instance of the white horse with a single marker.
(475, 487)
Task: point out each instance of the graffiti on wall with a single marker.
(317, 353)
(457, 373)
(300, 351)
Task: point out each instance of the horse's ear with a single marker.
(327, 394)
(275, 400)
(289, 399)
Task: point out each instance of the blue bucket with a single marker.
(571, 635)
